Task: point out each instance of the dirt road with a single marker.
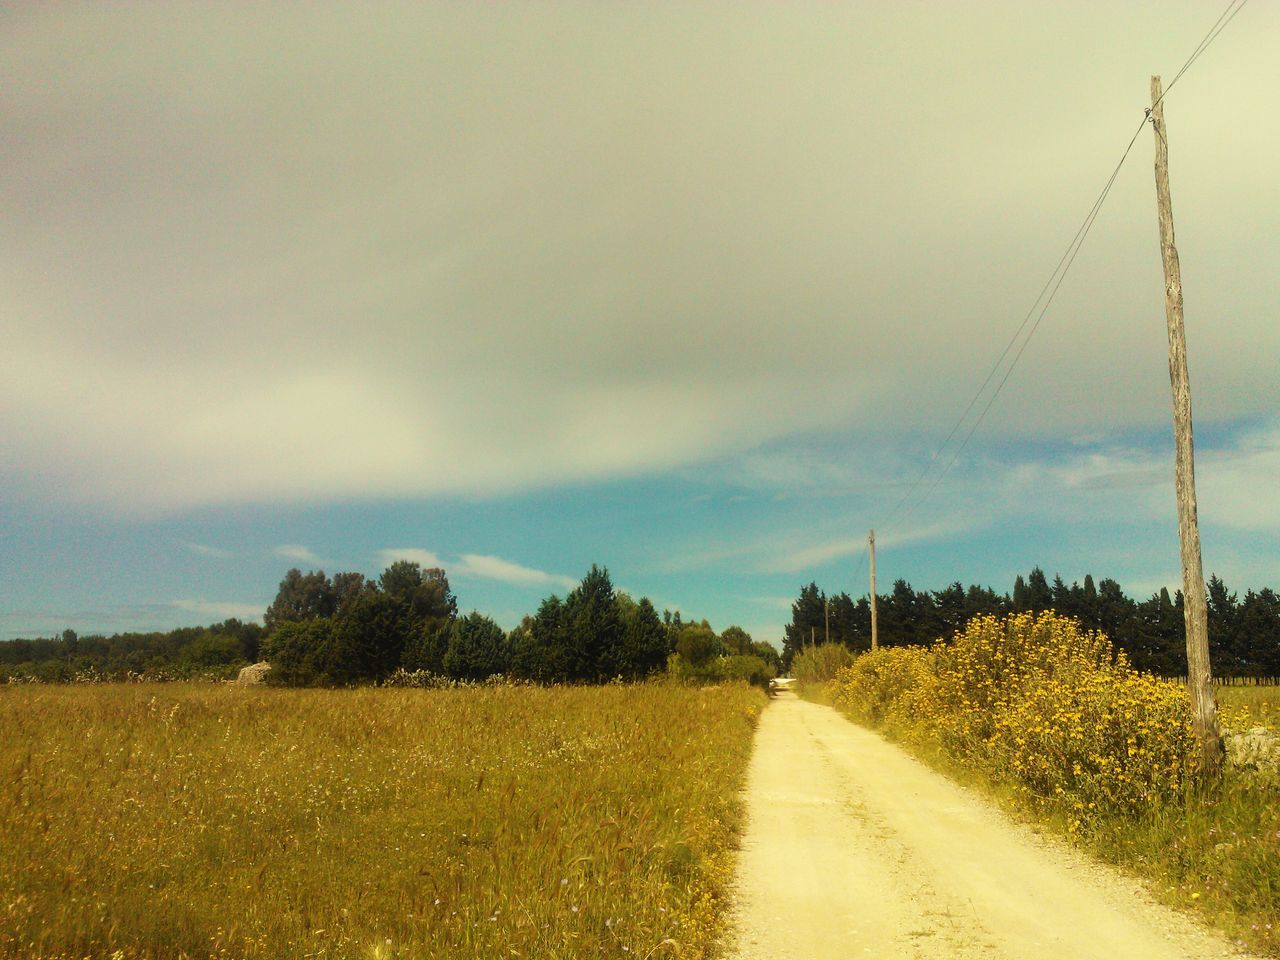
(854, 849)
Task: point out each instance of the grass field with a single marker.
(1244, 707)
(216, 821)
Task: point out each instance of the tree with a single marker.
(426, 591)
(372, 635)
(903, 616)
(1039, 594)
(593, 628)
(1021, 604)
(1089, 604)
(642, 649)
(1114, 608)
(1228, 654)
(850, 622)
(768, 654)
(347, 589)
(477, 649)
(301, 598)
(300, 652)
(735, 640)
(538, 645)
(808, 622)
(698, 644)
(983, 600)
(1259, 623)
(949, 611)
(425, 647)
(1153, 638)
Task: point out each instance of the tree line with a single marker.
(1244, 634)
(346, 629)
(215, 651)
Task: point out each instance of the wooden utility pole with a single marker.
(1194, 606)
(871, 546)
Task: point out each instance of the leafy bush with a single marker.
(1040, 703)
(818, 664)
(477, 649)
(302, 653)
(747, 668)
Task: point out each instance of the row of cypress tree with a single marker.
(1244, 634)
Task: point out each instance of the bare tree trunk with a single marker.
(1194, 605)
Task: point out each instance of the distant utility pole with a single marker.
(871, 546)
(1194, 607)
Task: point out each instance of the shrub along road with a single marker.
(854, 849)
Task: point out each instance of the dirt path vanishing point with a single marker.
(854, 849)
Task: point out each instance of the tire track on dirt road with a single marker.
(854, 849)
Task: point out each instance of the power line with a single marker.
(1074, 252)
(1051, 285)
(1219, 25)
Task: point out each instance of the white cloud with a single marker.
(495, 568)
(220, 610)
(217, 291)
(296, 551)
(818, 555)
(821, 554)
(204, 550)
(1236, 481)
(423, 558)
(1240, 487)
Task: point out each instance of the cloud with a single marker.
(220, 610)
(295, 551)
(495, 568)
(279, 254)
(482, 566)
(423, 558)
(821, 554)
(1236, 477)
(1238, 486)
(204, 550)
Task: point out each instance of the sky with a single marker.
(696, 292)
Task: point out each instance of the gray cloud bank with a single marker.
(321, 251)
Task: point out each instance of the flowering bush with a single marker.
(1039, 703)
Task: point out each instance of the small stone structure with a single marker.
(254, 673)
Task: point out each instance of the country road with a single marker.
(854, 849)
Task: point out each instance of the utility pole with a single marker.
(826, 613)
(871, 545)
(1195, 612)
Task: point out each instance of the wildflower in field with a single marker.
(1039, 702)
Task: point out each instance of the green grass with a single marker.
(216, 821)
(1244, 707)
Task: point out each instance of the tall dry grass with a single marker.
(1251, 706)
(203, 822)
